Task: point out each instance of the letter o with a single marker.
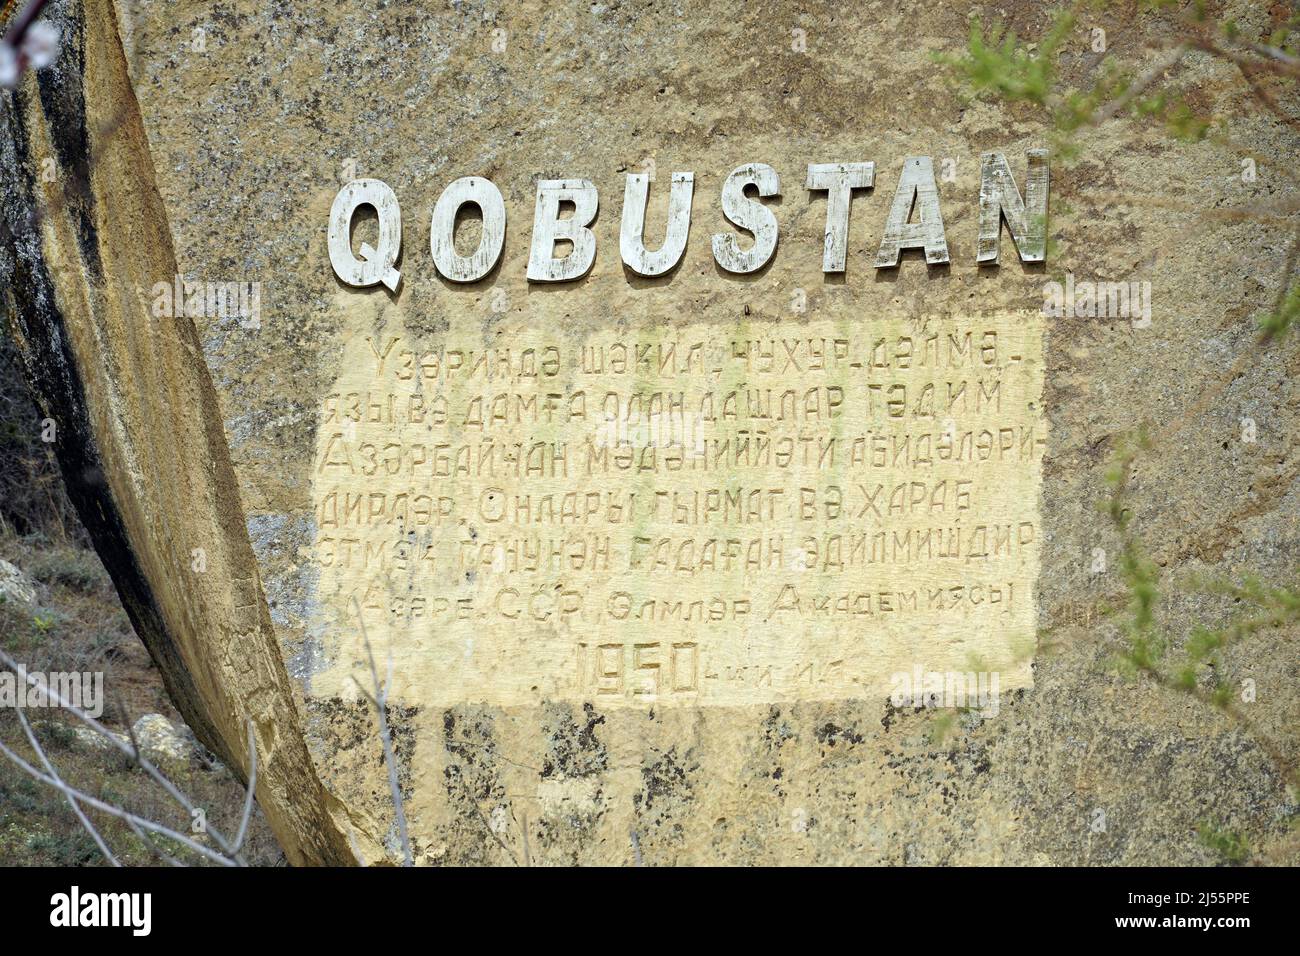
(442, 229)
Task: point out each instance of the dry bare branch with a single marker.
(132, 750)
(380, 700)
(115, 811)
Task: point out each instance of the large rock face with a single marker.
(671, 637)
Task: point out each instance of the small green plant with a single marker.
(1231, 846)
(996, 62)
(1277, 323)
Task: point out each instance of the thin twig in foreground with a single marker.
(129, 749)
(380, 700)
(76, 808)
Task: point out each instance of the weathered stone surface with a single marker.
(91, 739)
(510, 747)
(159, 741)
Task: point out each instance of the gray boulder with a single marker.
(16, 587)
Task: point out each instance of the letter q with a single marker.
(375, 265)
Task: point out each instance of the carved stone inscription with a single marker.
(704, 514)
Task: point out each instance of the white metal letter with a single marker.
(839, 180)
(548, 228)
(750, 215)
(915, 186)
(631, 240)
(375, 265)
(442, 230)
